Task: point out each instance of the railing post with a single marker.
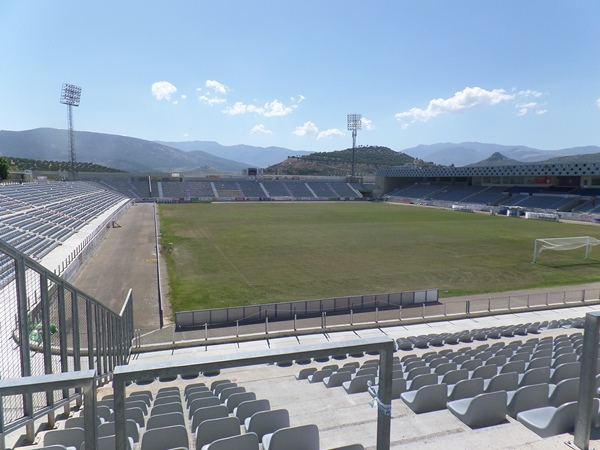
(564, 297)
(547, 294)
(445, 309)
(237, 328)
(583, 296)
(423, 310)
(400, 312)
(468, 307)
(266, 324)
(489, 304)
(295, 318)
(206, 331)
(376, 315)
(528, 301)
(351, 317)
(509, 302)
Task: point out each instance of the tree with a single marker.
(4, 168)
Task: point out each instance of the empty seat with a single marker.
(201, 403)
(319, 375)
(304, 373)
(70, 437)
(210, 412)
(165, 420)
(167, 408)
(225, 393)
(421, 380)
(550, 420)
(564, 392)
(213, 429)
(265, 422)
(535, 376)
(337, 379)
(426, 399)
(165, 438)
(234, 400)
(482, 410)
(465, 388)
(526, 397)
(304, 437)
(454, 376)
(502, 382)
(246, 441)
(132, 429)
(358, 384)
(564, 371)
(247, 408)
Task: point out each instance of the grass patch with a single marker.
(234, 254)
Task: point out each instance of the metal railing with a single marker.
(302, 309)
(47, 326)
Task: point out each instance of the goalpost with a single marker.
(569, 243)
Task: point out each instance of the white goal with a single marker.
(569, 243)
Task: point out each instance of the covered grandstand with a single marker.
(363, 385)
(571, 188)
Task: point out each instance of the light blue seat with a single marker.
(527, 397)
(465, 389)
(550, 420)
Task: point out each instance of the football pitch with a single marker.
(231, 254)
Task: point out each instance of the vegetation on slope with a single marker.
(55, 166)
(367, 160)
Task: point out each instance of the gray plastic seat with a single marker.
(465, 389)
(221, 387)
(513, 366)
(167, 437)
(398, 387)
(234, 400)
(482, 410)
(265, 422)
(201, 403)
(526, 397)
(304, 437)
(454, 376)
(564, 392)
(319, 375)
(163, 400)
(535, 376)
(247, 408)
(225, 393)
(195, 395)
(502, 382)
(358, 384)
(550, 420)
(246, 441)
(485, 372)
(213, 429)
(210, 412)
(165, 420)
(427, 398)
(337, 379)
(564, 371)
(304, 373)
(421, 380)
(167, 408)
(69, 437)
(132, 429)
(540, 361)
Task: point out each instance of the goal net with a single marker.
(569, 243)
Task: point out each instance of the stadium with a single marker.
(89, 322)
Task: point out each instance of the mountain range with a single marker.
(201, 157)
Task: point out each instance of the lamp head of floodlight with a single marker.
(70, 95)
(354, 121)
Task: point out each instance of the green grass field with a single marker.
(228, 254)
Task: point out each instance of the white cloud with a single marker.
(210, 99)
(327, 134)
(308, 129)
(260, 129)
(183, 97)
(162, 90)
(529, 93)
(367, 124)
(539, 112)
(219, 88)
(464, 100)
(269, 109)
(524, 108)
(598, 102)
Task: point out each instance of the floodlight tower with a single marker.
(70, 96)
(354, 124)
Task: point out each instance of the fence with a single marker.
(302, 309)
(48, 326)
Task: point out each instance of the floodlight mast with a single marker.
(354, 124)
(70, 96)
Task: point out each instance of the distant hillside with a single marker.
(467, 153)
(339, 163)
(119, 152)
(251, 156)
(55, 166)
(497, 159)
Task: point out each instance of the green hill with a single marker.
(55, 166)
(367, 161)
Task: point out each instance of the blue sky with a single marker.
(286, 73)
